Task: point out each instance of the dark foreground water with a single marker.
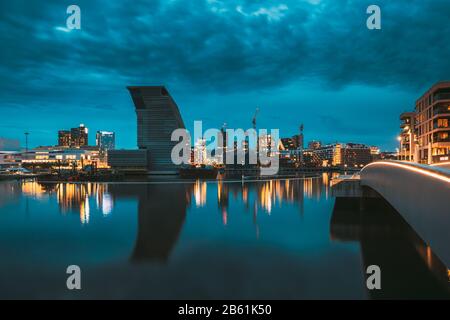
(281, 239)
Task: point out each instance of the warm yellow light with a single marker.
(411, 168)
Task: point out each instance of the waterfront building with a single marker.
(200, 155)
(157, 117)
(290, 154)
(128, 160)
(343, 155)
(356, 155)
(407, 144)
(375, 153)
(9, 159)
(329, 155)
(313, 145)
(62, 157)
(265, 144)
(433, 124)
(105, 141)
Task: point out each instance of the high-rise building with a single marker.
(64, 138)
(157, 117)
(79, 136)
(433, 124)
(75, 138)
(105, 140)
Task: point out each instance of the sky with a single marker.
(299, 61)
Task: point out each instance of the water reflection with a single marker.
(409, 268)
(261, 196)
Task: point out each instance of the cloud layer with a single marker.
(216, 46)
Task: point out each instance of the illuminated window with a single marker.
(443, 135)
(442, 123)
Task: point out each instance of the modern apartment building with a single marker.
(433, 124)
(407, 137)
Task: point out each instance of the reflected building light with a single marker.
(107, 204)
(245, 194)
(266, 196)
(84, 211)
(200, 193)
(308, 188)
(31, 188)
(219, 191)
(224, 216)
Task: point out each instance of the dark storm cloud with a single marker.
(220, 44)
(220, 50)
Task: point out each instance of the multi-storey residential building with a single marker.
(433, 124)
(407, 141)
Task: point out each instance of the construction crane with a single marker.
(254, 118)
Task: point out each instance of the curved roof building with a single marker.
(157, 117)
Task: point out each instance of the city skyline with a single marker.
(217, 72)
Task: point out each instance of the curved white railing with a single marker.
(421, 194)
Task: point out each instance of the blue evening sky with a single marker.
(299, 61)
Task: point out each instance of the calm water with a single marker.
(285, 239)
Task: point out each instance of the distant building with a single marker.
(265, 144)
(356, 155)
(432, 125)
(105, 141)
(64, 138)
(75, 138)
(79, 136)
(290, 154)
(200, 152)
(157, 117)
(329, 155)
(313, 145)
(9, 159)
(128, 160)
(62, 156)
(375, 153)
(343, 155)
